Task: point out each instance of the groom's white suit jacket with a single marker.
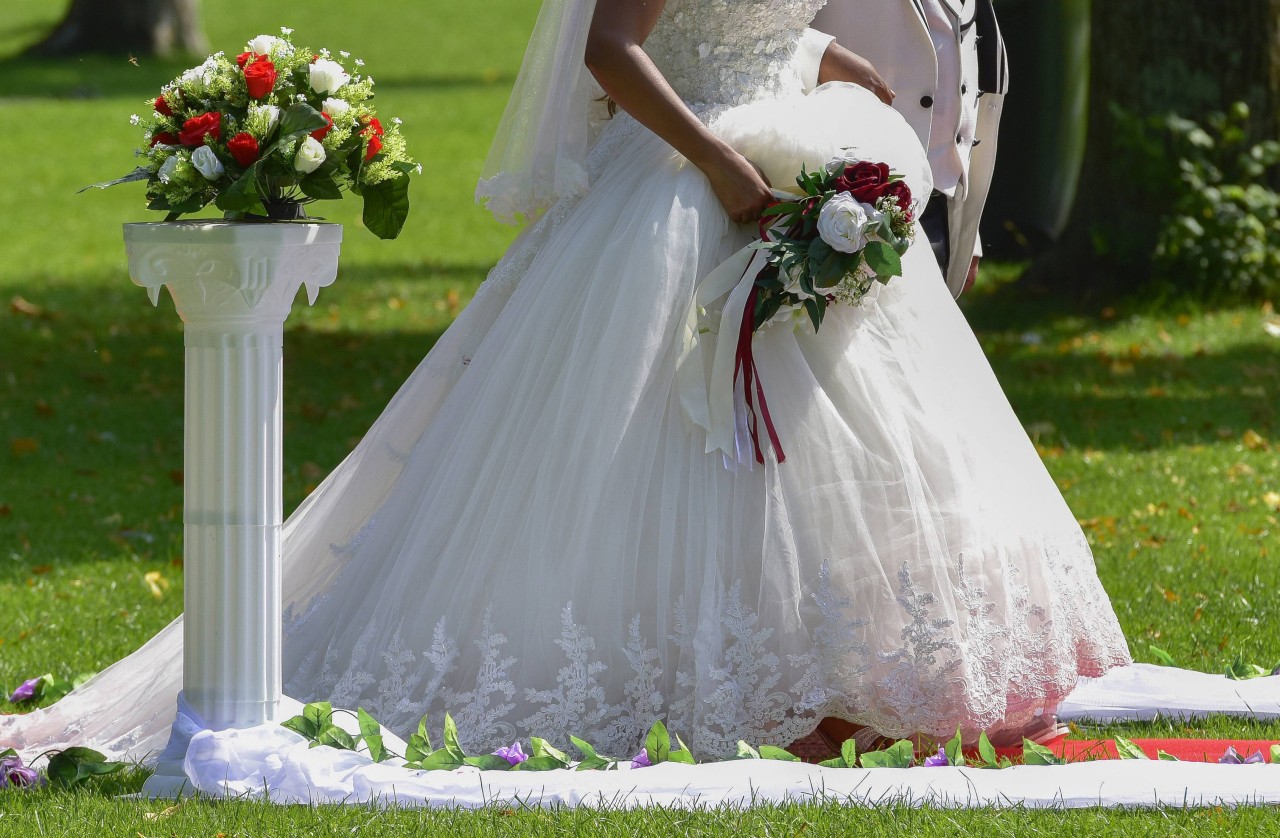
(894, 36)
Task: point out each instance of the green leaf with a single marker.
(836, 762)
(596, 763)
(423, 733)
(882, 259)
(488, 762)
(1128, 750)
(451, 738)
(832, 269)
(586, 748)
(322, 187)
(1241, 671)
(1165, 756)
(416, 749)
(140, 173)
(543, 763)
(899, 755)
(987, 751)
(849, 752)
(745, 751)
(1275, 754)
(775, 753)
(777, 209)
(682, 754)
(301, 725)
(1164, 658)
(242, 196)
(814, 309)
(543, 748)
(386, 207)
(371, 733)
(441, 760)
(1033, 753)
(336, 737)
(73, 766)
(954, 750)
(298, 119)
(658, 743)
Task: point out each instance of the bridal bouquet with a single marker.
(271, 129)
(849, 229)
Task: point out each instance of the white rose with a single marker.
(207, 163)
(309, 157)
(334, 107)
(263, 44)
(167, 168)
(844, 221)
(327, 76)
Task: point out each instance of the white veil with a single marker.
(540, 149)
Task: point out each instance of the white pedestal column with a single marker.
(233, 285)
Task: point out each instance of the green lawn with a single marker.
(1161, 430)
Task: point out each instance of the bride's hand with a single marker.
(839, 64)
(740, 185)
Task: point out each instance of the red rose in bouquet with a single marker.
(162, 106)
(375, 145)
(244, 148)
(194, 129)
(901, 193)
(864, 180)
(166, 137)
(320, 133)
(245, 57)
(260, 77)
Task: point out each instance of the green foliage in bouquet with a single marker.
(269, 130)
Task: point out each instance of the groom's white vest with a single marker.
(894, 36)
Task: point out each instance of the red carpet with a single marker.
(1187, 750)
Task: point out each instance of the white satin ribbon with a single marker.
(709, 403)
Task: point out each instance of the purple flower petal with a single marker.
(514, 754)
(1231, 757)
(641, 760)
(26, 691)
(14, 773)
(1255, 758)
(938, 760)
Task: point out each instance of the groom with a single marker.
(942, 64)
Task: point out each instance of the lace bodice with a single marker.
(729, 52)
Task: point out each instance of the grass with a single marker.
(1160, 428)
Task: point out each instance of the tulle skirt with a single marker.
(534, 538)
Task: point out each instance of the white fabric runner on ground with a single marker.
(273, 763)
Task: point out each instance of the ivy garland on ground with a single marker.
(316, 724)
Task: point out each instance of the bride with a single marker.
(534, 536)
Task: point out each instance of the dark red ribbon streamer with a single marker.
(745, 364)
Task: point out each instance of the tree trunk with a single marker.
(1153, 57)
(135, 27)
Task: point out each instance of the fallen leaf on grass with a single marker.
(1272, 499)
(20, 306)
(157, 583)
(1255, 441)
(42, 569)
(23, 446)
(5, 510)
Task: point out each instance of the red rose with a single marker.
(865, 181)
(162, 107)
(375, 145)
(195, 128)
(260, 77)
(164, 137)
(245, 57)
(320, 133)
(244, 148)
(900, 192)
(372, 125)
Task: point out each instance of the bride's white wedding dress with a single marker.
(533, 537)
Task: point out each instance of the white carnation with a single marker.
(309, 157)
(264, 44)
(207, 163)
(844, 221)
(327, 76)
(335, 107)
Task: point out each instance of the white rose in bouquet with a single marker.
(309, 157)
(207, 163)
(167, 168)
(335, 107)
(263, 44)
(327, 76)
(844, 221)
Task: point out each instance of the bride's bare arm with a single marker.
(614, 56)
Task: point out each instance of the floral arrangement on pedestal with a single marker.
(269, 130)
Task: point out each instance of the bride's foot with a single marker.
(1045, 730)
